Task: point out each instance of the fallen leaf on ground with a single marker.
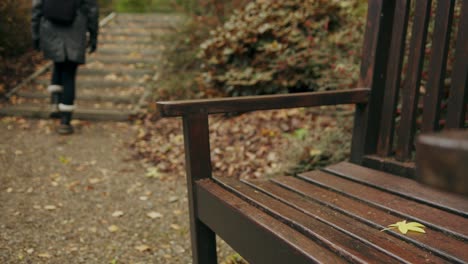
(50, 207)
(404, 227)
(175, 226)
(173, 199)
(94, 180)
(143, 248)
(154, 215)
(117, 214)
(153, 173)
(44, 255)
(177, 212)
(64, 160)
(113, 228)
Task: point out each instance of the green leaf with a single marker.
(301, 133)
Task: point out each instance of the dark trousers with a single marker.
(64, 74)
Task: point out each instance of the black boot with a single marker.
(65, 127)
(54, 101)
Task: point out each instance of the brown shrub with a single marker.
(279, 46)
(15, 33)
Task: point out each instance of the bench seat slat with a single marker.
(342, 244)
(401, 186)
(222, 210)
(407, 209)
(438, 242)
(368, 233)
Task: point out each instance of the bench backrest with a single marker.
(394, 50)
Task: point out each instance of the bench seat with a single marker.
(335, 215)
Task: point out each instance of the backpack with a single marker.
(62, 12)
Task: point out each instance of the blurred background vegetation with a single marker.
(239, 47)
(226, 47)
(224, 52)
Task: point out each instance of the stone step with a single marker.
(94, 64)
(84, 91)
(85, 71)
(85, 97)
(122, 60)
(114, 35)
(84, 114)
(96, 84)
(122, 42)
(41, 102)
(132, 34)
(143, 20)
(112, 38)
(153, 46)
(119, 28)
(127, 52)
(111, 76)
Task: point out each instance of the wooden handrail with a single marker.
(264, 102)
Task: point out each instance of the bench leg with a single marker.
(203, 243)
(198, 166)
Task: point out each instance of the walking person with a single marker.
(63, 30)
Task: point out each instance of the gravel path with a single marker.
(84, 199)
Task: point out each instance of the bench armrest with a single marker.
(265, 102)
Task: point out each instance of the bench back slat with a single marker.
(458, 98)
(392, 84)
(373, 66)
(437, 65)
(410, 89)
(406, 62)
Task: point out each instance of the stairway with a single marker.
(116, 81)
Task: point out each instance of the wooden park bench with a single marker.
(336, 214)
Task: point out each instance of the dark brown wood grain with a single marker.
(439, 243)
(410, 89)
(405, 208)
(437, 65)
(374, 59)
(266, 102)
(198, 166)
(403, 187)
(393, 78)
(391, 165)
(365, 231)
(257, 236)
(458, 99)
(342, 244)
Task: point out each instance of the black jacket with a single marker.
(60, 43)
